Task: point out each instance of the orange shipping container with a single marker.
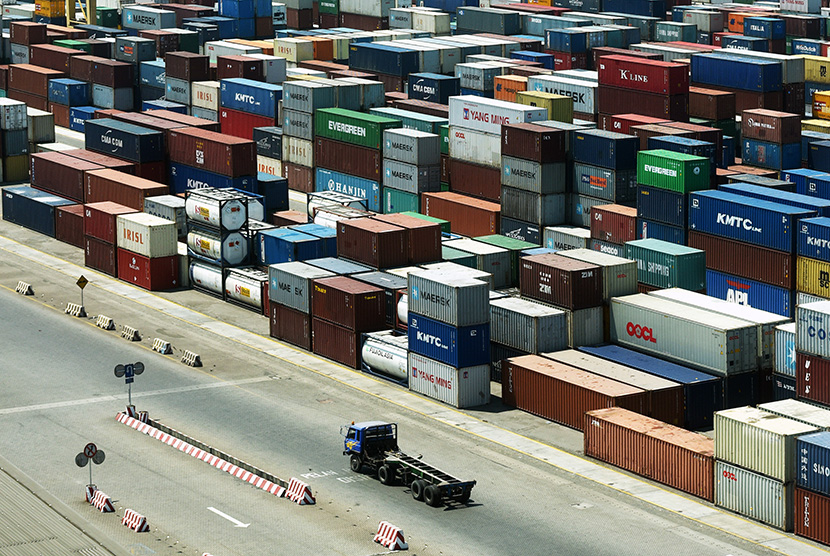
(508, 85)
(323, 48)
(468, 216)
(735, 21)
(821, 105)
(656, 450)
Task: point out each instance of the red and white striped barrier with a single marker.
(89, 492)
(135, 521)
(299, 492)
(132, 412)
(207, 457)
(390, 536)
(102, 502)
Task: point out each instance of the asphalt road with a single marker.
(58, 392)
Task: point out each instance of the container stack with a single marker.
(294, 243)
(23, 35)
(568, 46)
(783, 378)
(648, 87)
(662, 264)
(771, 139)
(449, 337)
(65, 94)
(812, 491)
(14, 136)
(147, 251)
(756, 464)
(32, 208)
(290, 287)
(125, 141)
(411, 166)
(301, 100)
(101, 235)
(182, 69)
(612, 226)
(246, 104)
(251, 18)
(812, 352)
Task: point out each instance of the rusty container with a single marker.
(644, 132)
(69, 225)
(562, 393)
(746, 260)
(424, 107)
(372, 242)
(561, 281)
(215, 152)
(653, 449)
(468, 216)
(32, 79)
(60, 174)
(336, 343)
(80, 67)
(812, 378)
(616, 100)
(422, 237)
(770, 125)
(124, 189)
(112, 73)
(614, 223)
(349, 303)
(349, 159)
(812, 515)
(27, 32)
(53, 57)
(102, 160)
(289, 218)
(300, 178)
(189, 121)
(31, 100)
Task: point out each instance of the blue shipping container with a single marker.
(477, 93)
(237, 8)
(246, 27)
(649, 229)
(161, 104)
(389, 60)
(765, 27)
(32, 208)
(341, 267)
(814, 462)
(274, 191)
(771, 155)
(184, 178)
(740, 42)
(806, 47)
(686, 145)
(745, 219)
(538, 251)
(326, 234)
(702, 392)
(329, 180)
(808, 137)
(524, 231)
(433, 87)
(727, 157)
(253, 97)
(69, 92)
(228, 27)
(800, 176)
(126, 141)
(572, 41)
(662, 205)
(814, 238)
(282, 245)
(608, 149)
(737, 72)
(458, 347)
(821, 206)
(650, 8)
(80, 114)
(818, 156)
(547, 60)
(751, 293)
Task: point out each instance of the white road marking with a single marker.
(236, 522)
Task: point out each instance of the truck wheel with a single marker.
(465, 497)
(432, 496)
(355, 463)
(386, 475)
(417, 488)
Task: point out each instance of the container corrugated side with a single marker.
(784, 362)
(812, 325)
(465, 346)
(449, 297)
(290, 284)
(527, 326)
(564, 237)
(619, 275)
(754, 495)
(800, 411)
(758, 441)
(687, 335)
(667, 265)
(812, 515)
(489, 258)
(466, 387)
(147, 235)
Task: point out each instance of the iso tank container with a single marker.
(461, 388)
(562, 393)
(527, 326)
(127, 141)
(449, 297)
(667, 265)
(650, 448)
(290, 284)
(348, 303)
(753, 495)
(147, 235)
(746, 219)
(215, 152)
(247, 287)
(488, 115)
(385, 353)
(619, 275)
(759, 441)
(489, 258)
(812, 327)
(411, 146)
(736, 72)
(223, 249)
(32, 208)
(466, 346)
(218, 208)
(717, 344)
(650, 76)
(784, 362)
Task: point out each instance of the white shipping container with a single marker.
(22, 10)
(480, 76)
(802, 412)
(371, 8)
(41, 126)
(488, 115)
(293, 49)
(766, 322)
(184, 265)
(706, 21)
(528, 326)
(169, 207)
(268, 165)
(298, 151)
(455, 268)
(582, 92)
(293, 73)
(489, 258)
(812, 328)
(566, 237)
(585, 327)
(274, 67)
(435, 23)
(223, 48)
(147, 235)
(475, 146)
(467, 387)
(754, 496)
(451, 298)
(801, 6)
(12, 114)
(244, 285)
(619, 275)
(785, 349)
(758, 441)
(713, 343)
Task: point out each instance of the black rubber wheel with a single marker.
(386, 475)
(417, 487)
(355, 463)
(432, 496)
(464, 498)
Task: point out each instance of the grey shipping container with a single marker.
(618, 186)
(411, 178)
(449, 297)
(566, 237)
(297, 124)
(542, 210)
(533, 176)
(619, 275)
(527, 326)
(579, 209)
(412, 147)
(754, 495)
(457, 268)
(489, 258)
(289, 284)
(307, 96)
(170, 207)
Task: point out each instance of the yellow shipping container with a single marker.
(541, 2)
(50, 8)
(559, 107)
(822, 126)
(506, 86)
(817, 69)
(302, 77)
(812, 276)
(267, 47)
(821, 105)
(16, 168)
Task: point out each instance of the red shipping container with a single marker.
(336, 343)
(242, 124)
(446, 175)
(61, 114)
(113, 73)
(166, 41)
(349, 303)
(392, 83)
(525, 71)
(4, 76)
(67, 32)
(32, 79)
(717, 38)
(69, 225)
(812, 378)
(566, 61)
(125, 189)
(770, 125)
(189, 121)
(748, 100)
(158, 274)
(649, 76)
(100, 219)
(100, 255)
(290, 325)
(710, 104)
(362, 22)
(300, 19)
(615, 100)
(52, 57)
(323, 65)
(614, 223)
(653, 130)
(352, 73)
(533, 142)
(187, 65)
(561, 281)
(422, 237)
(372, 242)
(621, 123)
(812, 515)
(152, 171)
(327, 21)
(103, 113)
(288, 218)
(27, 32)
(240, 66)
(215, 152)
(468, 216)
(754, 170)
(80, 67)
(146, 120)
(32, 101)
(562, 393)
(300, 178)
(476, 180)
(597, 53)
(60, 174)
(423, 107)
(102, 160)
(347, 158)
(746, 260)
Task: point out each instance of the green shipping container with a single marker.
(188, 40)
(445, 139)
(329, 6)
(668, 265)
(445, 224)
(729, 127)
(458, 257)
(395, 200)
(682, 173)
(76, 45)
(412, 120)
(515, 246)
(107, 17)
(348, 126)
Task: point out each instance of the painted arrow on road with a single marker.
(236, 522)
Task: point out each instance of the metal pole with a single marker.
(82, 297)
(130, 394)
(90, 471)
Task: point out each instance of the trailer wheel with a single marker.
(386, 475)
(432, 496)
(417, 488)
(465, 496)
(355, 463)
